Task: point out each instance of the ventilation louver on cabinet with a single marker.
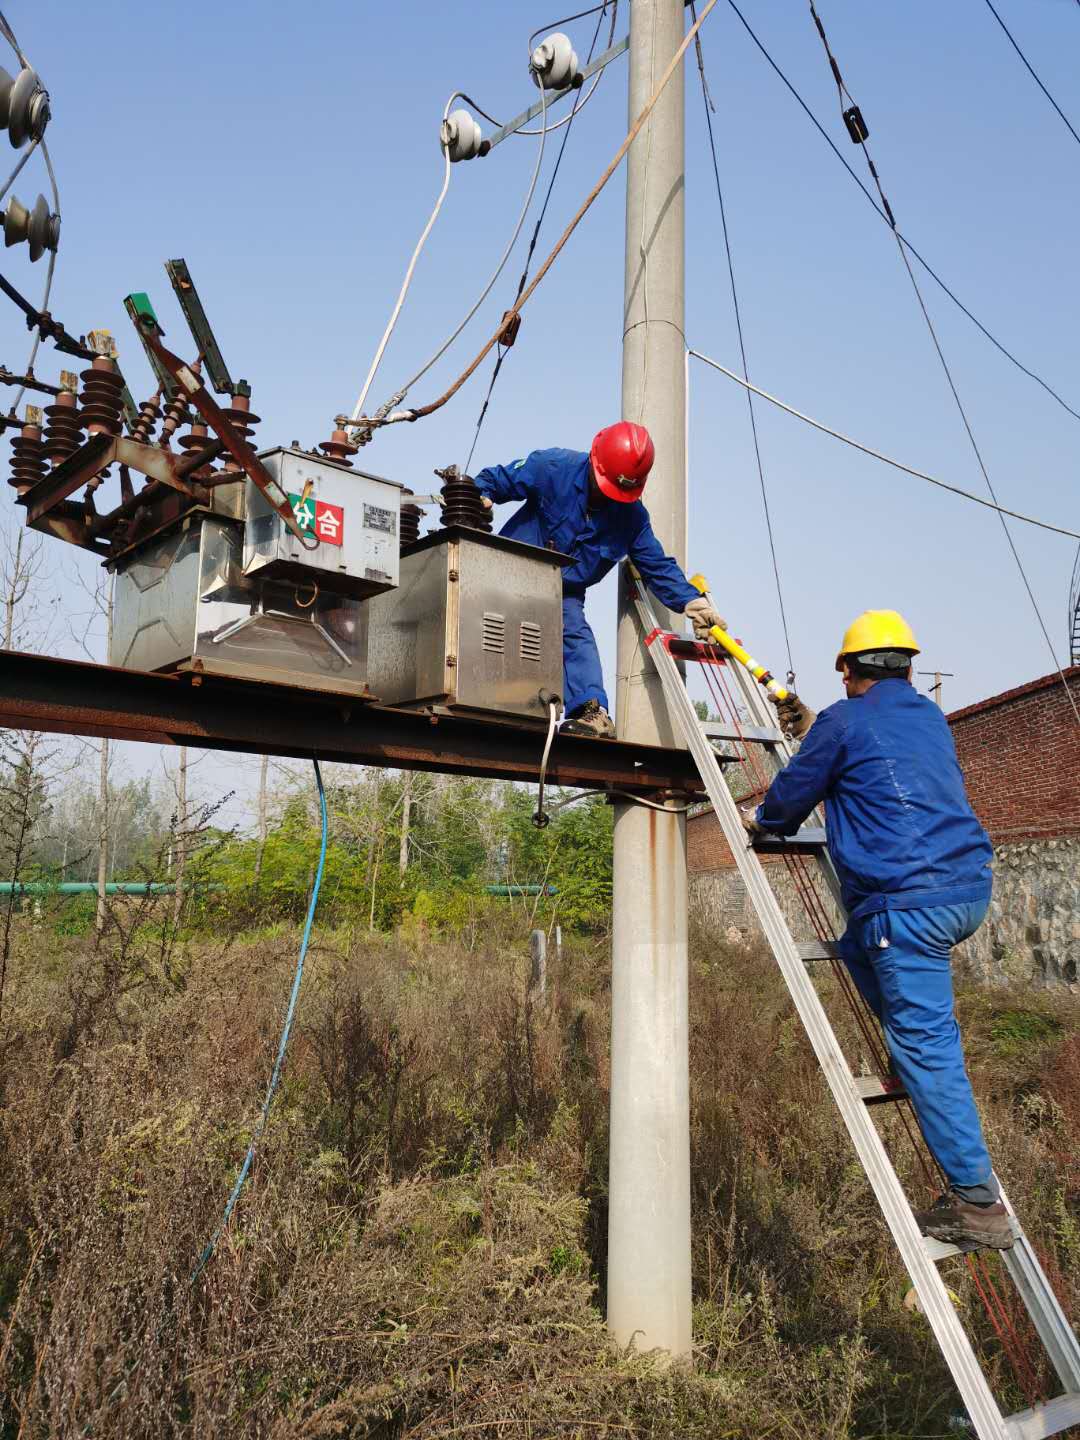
(494, 639)
(530, 641)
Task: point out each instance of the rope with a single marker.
(709, 107)
(843, 91)
(1031, 71)
(469, 371)
(579, 104)
(260, 1124)
(1031, 374)
(878, 455)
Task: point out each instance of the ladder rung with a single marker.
(810, 840)
(817, 950)
(876, 1090)
(762, 734)
(1049, 1419)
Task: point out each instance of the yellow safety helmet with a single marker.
(877, 630)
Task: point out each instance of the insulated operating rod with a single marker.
(736, 651)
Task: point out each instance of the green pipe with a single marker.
(85, 887)
(507, 890)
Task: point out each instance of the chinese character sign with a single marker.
(329, 522)
(319, 517)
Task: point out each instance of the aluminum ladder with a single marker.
(854, 1096)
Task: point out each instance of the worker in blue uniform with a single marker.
(914, 869)
(589, 507)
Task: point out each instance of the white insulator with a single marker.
(554, 63)
(24, 106)
(461, 136)
(37, 227)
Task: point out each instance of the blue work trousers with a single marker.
(900, 960)
(583, 679)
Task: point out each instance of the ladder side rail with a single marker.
(938, 1308)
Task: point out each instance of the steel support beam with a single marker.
(70, 697)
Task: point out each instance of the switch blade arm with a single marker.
(198, 396)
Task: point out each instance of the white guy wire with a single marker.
(15, 173)
(877, 455)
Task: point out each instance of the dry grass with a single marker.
(420, 1250)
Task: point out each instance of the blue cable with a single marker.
(260, 1125)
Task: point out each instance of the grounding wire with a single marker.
(1031, 374)
(843, 91)
(1031, 71)
(708, 105)
(579, 105)
(260, 1124)
(399, 395)
(879, 455)
(411, 267)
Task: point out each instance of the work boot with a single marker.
(972, 1227)
(590, 719)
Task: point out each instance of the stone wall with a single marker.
(1032, 933)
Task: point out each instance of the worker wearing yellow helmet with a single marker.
(914, 869)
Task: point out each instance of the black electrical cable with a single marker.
(707, 101)
(1031, 374)
(860, 134)
(1031, 71)
(44, 323)
(503, 350)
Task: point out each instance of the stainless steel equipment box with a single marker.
(475, 625)
(183, 602)
(352, 516)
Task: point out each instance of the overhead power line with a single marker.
(879, 455)
(1031, 71)
(857, 128)
(1003, 349)
(708, 105)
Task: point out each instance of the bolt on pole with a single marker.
(649, 1175)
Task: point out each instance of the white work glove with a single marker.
(795, 718)
(704, 617)
(485, 502)
(750, 824)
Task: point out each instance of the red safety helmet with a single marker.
(622, 456)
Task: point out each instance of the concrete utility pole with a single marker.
(649, 1178)
(937, 689)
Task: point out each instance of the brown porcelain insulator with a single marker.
(64, 430)
(197, 438)
(175, 414)
(462, 503)
(102, 398)
(243, 420)
(339, 447)
(149, 411)
(409, 521)
(27, 459)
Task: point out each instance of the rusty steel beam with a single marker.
(70, 697)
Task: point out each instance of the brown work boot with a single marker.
(972, 1227)
(590, 719)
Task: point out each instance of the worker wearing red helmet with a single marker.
(589, 507)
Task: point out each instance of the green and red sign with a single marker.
(319, 518)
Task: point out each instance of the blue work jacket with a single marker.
(554, 485)
(901, 831)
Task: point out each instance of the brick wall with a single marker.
(1020, 754)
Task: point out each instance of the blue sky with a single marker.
(290, 154)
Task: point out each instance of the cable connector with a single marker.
(856, 126)
(24, 106)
